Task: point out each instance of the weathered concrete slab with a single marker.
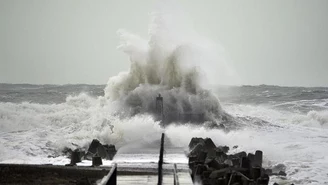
(50, 174)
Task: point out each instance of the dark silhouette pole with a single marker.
(160, 162)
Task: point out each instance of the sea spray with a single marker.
(168, 63)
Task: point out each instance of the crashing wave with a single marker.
(167, 64)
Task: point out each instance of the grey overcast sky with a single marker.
(280, 42)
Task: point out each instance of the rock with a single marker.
(264, 180)
(93, 146)
(219, 173)
(213, 163)
(96, 161)
(194, 141)
(103, 151)
(228, 162)
(256, 172)
(219, 181)
(111, 151)
(206, 174)
(245, 163)
(240, 155)
(191, 164)
(192, 159)
(221, 157)
(211, 154)
(282, 173)
(197, 149)
(235, 162)
(202, 156)
(199, 170)
(258, 158)
(208, 144)
(279, 167)
(224, 149)
(235, 147)
(75, 157)
(67, 151)
(268, 171)
(275, 184)
(251, 158)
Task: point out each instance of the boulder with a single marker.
(211, 153)
(192, 159)
(202, 156)
(96, 161)
(197, 149)
(235, 162)
(258, 158)
(256, 172)
(282, 173)
(75, 157)
(213, 163)
(268, 171)
(264, 180)
(279, 167)
(103, 151)
(228, 162)
(208, 144)
(251, 158)
(219, 173)
(67, 151)
(199, 170)
(194, 141)
(245, 163)
(206, 174)
(93, 146)
(111, 151)
(240, 155)
(224, 149)
(221, 157)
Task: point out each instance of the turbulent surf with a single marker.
(289, 124)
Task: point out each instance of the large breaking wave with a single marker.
(167, 63)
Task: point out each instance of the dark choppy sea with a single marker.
(290, 125)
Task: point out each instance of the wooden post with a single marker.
(160, 162)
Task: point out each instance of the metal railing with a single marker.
(112, 180)
(175, 175)
(111, 177)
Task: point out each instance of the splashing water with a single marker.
(167, 64)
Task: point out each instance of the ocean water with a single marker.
(289, 124)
